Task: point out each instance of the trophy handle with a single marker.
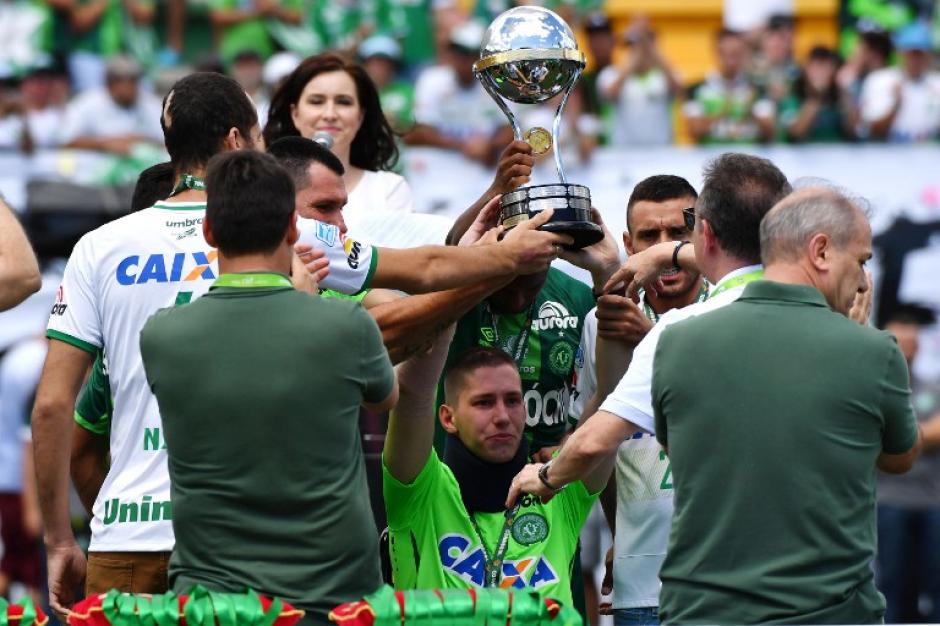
(556, 125)
(491, 89)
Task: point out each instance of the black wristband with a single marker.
(675, 254)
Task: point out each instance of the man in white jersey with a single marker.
(639, 508)
(117, 277)
(739, 189)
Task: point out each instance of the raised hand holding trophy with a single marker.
(529, 55)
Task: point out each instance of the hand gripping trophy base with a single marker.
(572, 216)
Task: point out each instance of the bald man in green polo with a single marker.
(775, 429)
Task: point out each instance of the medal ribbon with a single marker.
(493, 565)
(737, 281)
(252, 280)
(522, 347)
(188, 181)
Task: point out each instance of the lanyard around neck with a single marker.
(189, 181)
(737, 281)
(522, 347)
(252, 280)
(653, 316)
(493, 564)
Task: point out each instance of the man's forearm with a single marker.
(89, 465)
(437, 268)
(51, 443)
(52, 423)
(414, 322)
(410, 435)
(587, 453)
(19, 270)
(612, 359)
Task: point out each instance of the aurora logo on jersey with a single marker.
(461, 558)
(553, 315)
(165, 268)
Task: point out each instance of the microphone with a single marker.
(323, 138)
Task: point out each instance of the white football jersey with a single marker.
(118, 276)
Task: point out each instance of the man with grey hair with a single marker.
(775, 433)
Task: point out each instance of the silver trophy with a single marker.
(529, 55)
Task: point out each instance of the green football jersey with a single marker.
(94, 407)
(434, 544)
(545, 363)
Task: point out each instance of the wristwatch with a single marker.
(543, 476)
(675, 255)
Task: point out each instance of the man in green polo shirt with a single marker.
(260, 410)
(448, 524)
(775, 431)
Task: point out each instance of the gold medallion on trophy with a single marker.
(540, 140)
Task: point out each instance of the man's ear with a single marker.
(446, 416)
(627, 242)
(207, 232)
(708, 235)
(819, 251)
(233, 140)
(293, 233)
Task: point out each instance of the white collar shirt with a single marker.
(632, 399)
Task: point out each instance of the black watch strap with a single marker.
(675, 254)
(543, 476)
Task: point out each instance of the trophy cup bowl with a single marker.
(529, 55)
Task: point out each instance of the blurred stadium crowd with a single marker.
(90, 74)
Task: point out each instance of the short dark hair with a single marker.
(250, 202)
(739, 190)
(879, 41)
(781, 21)
(660, 188)
(295, 154)
(373, 148)
(197, 114)
(154, 184)
(725, 33)
(801, 87)
(468, 362)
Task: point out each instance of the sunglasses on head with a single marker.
(689, 216)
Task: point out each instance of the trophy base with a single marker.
(584, 233)
(572, 211)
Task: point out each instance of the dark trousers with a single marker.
(909, 563)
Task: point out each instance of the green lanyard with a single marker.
(522, 348)
(493, 565)
(653, 316)
(189, 181)
(737, 281)
(252, 280)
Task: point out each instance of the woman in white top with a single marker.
(329, 93)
